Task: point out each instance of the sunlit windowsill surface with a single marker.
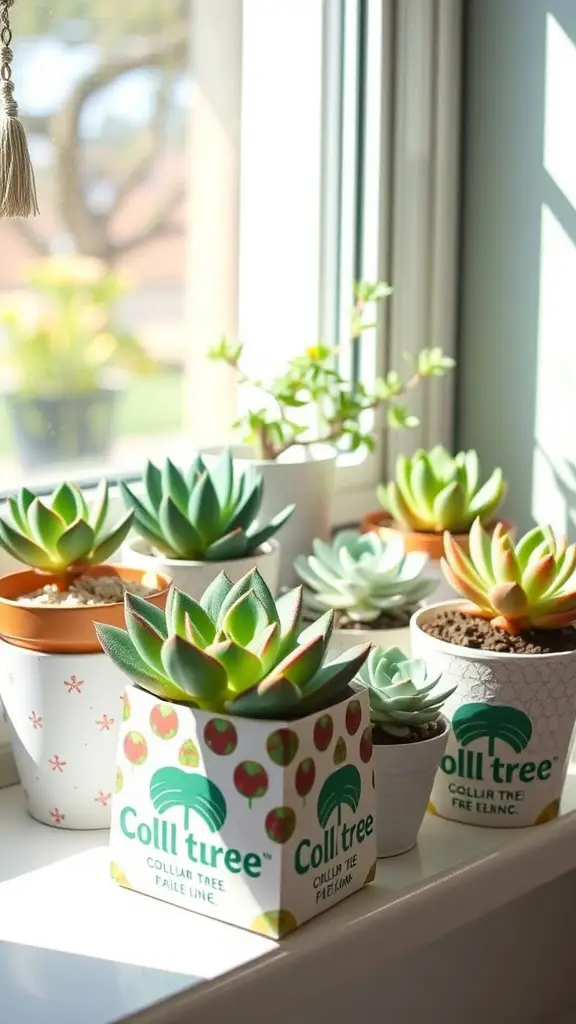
(75, 947)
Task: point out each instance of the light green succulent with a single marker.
(61, 532)
(206, 514)
(401, 697)
(433, 491)
(236, 650)
(362, 576)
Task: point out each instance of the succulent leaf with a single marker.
(363, 575)
(257, 663)
(63, 503)
(75, 544)
(98, 510)
(403, 699)
(434, 491)
(522, 586)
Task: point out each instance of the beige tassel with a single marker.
(17, 185)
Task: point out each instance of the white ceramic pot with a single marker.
(194, 577)
(403, 776)
(512, 721)
(343, 639)
(305, 476)
(64, 713)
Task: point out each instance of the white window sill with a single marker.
(74, 946)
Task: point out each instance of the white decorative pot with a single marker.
(64, 713)
(194, 577)
(343, 639)
(403, 775)
(305, 476)
(512, 721)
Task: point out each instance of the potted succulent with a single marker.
(370, 581)
(244, 778)
(67, 359)
(434, 491)
(299, 420)
(193, 525)
(510, 648)
(409, 733)
(63, 699)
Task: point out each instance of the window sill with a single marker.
(87, 950)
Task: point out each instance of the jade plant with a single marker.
(61, 534)
(315, 381)
(236, 650)
(434, 491)
(527, 585)
(404, 701)
(362, 576)
(205, 514)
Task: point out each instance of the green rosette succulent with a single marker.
(528, 585)
(402, 701)
(61, 533)
(205, 514)
(362, 576)
(236, 650)
(433, 491)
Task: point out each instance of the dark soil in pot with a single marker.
(381, 738)
(388, 620)
(454, 627)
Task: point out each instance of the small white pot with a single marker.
(512, 721)
(403, 775)
(64, 713)
(343, 639)
(194, 577)
(305, 476)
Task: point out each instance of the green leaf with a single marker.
(64, 503)
(223, 479)
(249, 504)
(178, 607)
(301, 664)
(81, 506)
(17, 520)
(194, 671)
(99, 509)
(112, 541)
(153, 487)
(146, 525)
(252, 581)
(148, 611)
(271, 698)
(242, 667)
(232, 545)
(489, 497)
(214, 596)
(451, 510)
(118, 646)
(76, 543)
(257, 537)
(181, 535)
(289, 612)
(45, 525)
(147, 641)
(174, 487)
(204, 509)
(321, 627)
(24, 499)
(245, 619)
(24, 550)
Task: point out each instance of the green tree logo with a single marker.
(476, 721)
(171, 787)
(342, 788)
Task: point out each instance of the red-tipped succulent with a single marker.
(528, 585)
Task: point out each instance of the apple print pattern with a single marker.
(125, 707)
(119, 779)
(251, 780)
(366, 745)
(164, 721)
(280, 824)
(323, 733)
(220, 736)
(188, 754)
(340, 752)
(353, 717)
(274, 923)
(135, 747)
(282, 747)
(305, 778)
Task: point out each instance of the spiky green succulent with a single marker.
(528, 585)
(235, 650)
(433, 491)
(61, 532)
(362, 576)
(401, 694)
(205, 514)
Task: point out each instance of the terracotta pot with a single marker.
(60, 629)
(431, 543)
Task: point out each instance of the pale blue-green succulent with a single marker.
(363, 576)
(209, 513)
(235, 650)
(402, 701)
(62, 532)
